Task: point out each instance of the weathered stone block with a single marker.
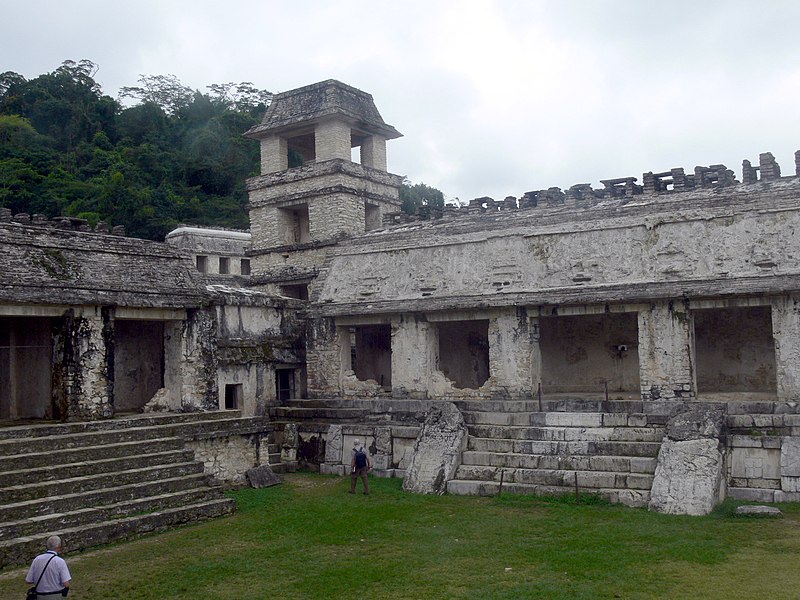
(637, 420)
(437, 451)
(752, 494)
(759, 511)
(765, 421)
(790, 484)
(261, 477)
(337, 469)
(790, 459)
(689, 477)
(781, 496)
(740, 421)
(697, 422)
(291, 441)
(333, 445)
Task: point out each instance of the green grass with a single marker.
(308, 538)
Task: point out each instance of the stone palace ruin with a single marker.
(639, 341)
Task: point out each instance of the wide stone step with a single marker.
(92, 438)
(117, 423)
(81, 516)
(556, 419)
(565, 448)
(620, 434)
(14, 511)
(592, 480)
(88, 453)
(94, 467)
(619, 464)
(372, 404)
(31, 491)
(628, 497)
(20, 550)
(290, 413)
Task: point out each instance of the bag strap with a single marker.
(38, 581)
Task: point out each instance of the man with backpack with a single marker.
(359, 466)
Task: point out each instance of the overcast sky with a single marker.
(493, 98)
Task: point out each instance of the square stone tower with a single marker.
(311, 193)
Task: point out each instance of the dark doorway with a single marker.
(284, 384)
(233, 395)
(735, 350)
(138, 363)
(371, 353)
(464, 352)
(26, 367)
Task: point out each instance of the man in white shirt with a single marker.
(52, 569)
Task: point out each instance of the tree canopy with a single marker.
(176, 156)
(420, 199)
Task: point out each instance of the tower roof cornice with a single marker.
(310, 104)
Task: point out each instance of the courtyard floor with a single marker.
(308, 538)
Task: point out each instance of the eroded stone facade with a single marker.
(644, 298)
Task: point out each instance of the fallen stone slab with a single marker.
(689, 478)
(261, 477)
(759, 511)
(437, 450)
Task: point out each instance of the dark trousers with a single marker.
(359, 472)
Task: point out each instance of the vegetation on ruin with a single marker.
(176, 155)
(421, 200)
(308, 538)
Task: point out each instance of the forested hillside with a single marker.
(176, 156)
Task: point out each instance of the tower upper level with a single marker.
(320, 122)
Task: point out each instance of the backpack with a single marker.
(361, 458)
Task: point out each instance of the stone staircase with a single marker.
(100, 481)
(608, 448)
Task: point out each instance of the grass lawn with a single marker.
(308, 538)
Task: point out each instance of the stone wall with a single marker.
(227, 458)
(390, 447)
(334, 191)
(649, 249)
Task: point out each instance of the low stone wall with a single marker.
(389, 447)
(226, 457)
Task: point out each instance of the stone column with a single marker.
(414, 355)
(198, 366)
(274, 155)
(327, 356)
(91, 370)
(173, 382)
(373, 152)
(666, 352)
(536, 354)
(383, 448)
(332, 140)
(786, 334)
(510, 352)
